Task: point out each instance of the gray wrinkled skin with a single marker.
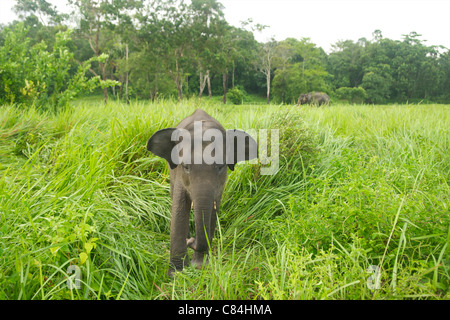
(314, 98)
(196, 186)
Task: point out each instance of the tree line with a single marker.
(154, 49)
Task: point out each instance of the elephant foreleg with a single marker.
(179, 229)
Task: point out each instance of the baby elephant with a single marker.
(198, 151)
(314, 98)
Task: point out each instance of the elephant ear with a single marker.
(161, 144)
(240, 147)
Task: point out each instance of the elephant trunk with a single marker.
(205, 219)
(203, 207)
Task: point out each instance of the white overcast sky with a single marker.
(327, 21)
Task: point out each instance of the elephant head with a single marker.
(199, 151)
(304, 98)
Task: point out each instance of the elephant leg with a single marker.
(179, 228)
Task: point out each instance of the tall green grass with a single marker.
(358, 186)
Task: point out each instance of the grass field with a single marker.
(362, 195)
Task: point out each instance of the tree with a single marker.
(97, 16)
(176, 47)
(125, 30)
(93, 20)
(207, 16)
(174, 37)
(284, 73)
(226, 54)
(208, 9)
(377, 82)
(346, 64)
(245, 50)
(39, 74)
(288, 83)
(444, 66)
(353, 95)
(266, 56)
(40, 10)
(148, 62)
(300, 67)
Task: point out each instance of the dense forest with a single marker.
(151, 49)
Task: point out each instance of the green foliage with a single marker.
(164, 49)
(300, 67)
(353, 95)
(358, 186)
(391, 70)
(42, 76)
(39, 11)
(235, 95)
(377, 83)
(288, 84)
(345, 63)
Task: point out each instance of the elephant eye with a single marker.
(185, 168)
(220, 167)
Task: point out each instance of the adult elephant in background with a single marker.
(314, 98)
(198, 151)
